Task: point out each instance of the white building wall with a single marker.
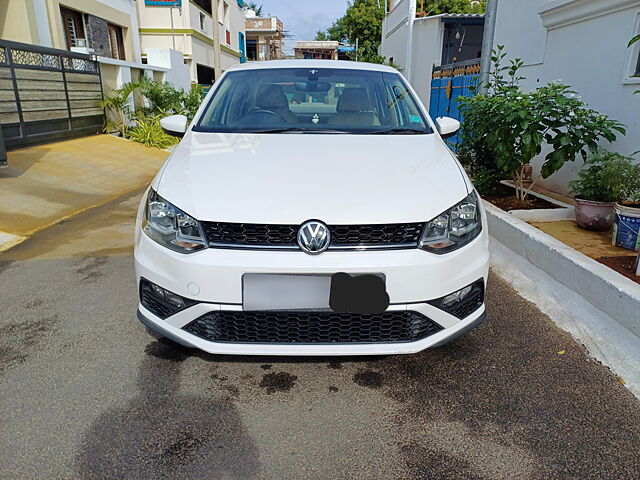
(426, 52)
(395, 33)
(426, 47)
(583, 43)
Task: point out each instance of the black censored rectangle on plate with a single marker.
(359, 294)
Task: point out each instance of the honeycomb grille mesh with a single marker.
(259, 235)
(312, 327)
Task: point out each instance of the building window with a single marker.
(638, 65)
(204, 5)
(73, 25)
(227, 37)
(202, 21)
(116, 41)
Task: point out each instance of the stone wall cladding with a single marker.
(98, 33)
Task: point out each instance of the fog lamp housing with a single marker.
(463, 302)
(160, 301)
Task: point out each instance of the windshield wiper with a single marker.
(398, 131)
(296, 130)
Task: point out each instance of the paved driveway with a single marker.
(44, 184)
(86, 393)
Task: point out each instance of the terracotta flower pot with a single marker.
(596, 216)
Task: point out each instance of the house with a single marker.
(419, 43)
(264, 37)
(107, 29)
(324, 50)
(210, 34)
(582, 43)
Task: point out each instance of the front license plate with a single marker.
(266, 291)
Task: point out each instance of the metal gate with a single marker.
(448, 83)
(47, 93)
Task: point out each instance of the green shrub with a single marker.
(149, 132)
(165, 99)
(607, 177)
(507, 127)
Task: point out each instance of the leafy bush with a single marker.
(165, 99)
(607, 177)
(149, 132)
(505, 128)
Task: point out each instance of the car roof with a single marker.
(343, 64)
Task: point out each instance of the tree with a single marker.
(321, 36)
(362, 22)
(436, 7)
(256, 8)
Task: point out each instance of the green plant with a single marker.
(607, 177)
(256, 8)
(165, 99)
(118, 107)
(507, 127)
(149, 132)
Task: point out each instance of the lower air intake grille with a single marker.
(312, 327)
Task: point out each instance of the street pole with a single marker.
(173, 36)
(356, 49)
(409, 54)
(217, 68)
(487, 43)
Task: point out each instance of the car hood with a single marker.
(290, 178)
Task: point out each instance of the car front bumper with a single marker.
(213, 278)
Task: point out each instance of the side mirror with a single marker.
(447, 126)
(175, 125)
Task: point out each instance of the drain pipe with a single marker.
(487, 43)
(411, 19)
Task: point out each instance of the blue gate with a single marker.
(448, 83)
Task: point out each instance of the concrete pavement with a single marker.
(86, 393)
(45, 184)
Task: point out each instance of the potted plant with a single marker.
(606, 178)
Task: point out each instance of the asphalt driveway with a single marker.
(87, 393)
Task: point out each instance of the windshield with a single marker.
(308, 100)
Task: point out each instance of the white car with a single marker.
(312, 208)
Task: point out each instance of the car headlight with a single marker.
(171, 227)
(454, 228)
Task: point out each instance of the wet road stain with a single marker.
(265, 367)
(333, 388)
(165, 434)
(278, 382)
(334, 365)
(19, 339)
(91, 271)
(368, 378)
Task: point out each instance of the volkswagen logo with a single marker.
(313, 237)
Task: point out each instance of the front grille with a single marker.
(285, 236)
(312, 327)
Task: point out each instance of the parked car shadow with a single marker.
(165, 434)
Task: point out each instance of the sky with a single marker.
(303, 18)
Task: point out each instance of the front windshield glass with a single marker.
(322, 100)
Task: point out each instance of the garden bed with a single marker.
(625, 265)
(505, 199)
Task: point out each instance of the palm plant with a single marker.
(118, 107)
(256, 8)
